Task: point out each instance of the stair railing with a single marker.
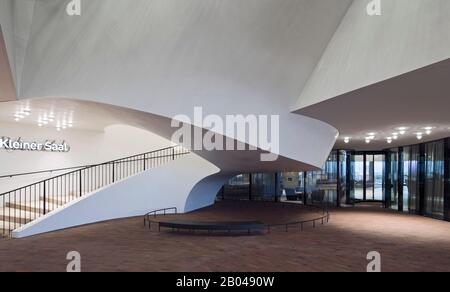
(28, 203)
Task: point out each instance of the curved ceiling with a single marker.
(92, 116)
(165, 57)
(415, 101)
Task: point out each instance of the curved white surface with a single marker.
(410, 34)
(166, 186)
(165, 57)
(149, 61)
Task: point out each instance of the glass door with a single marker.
(358, 177)
(379, 177)
(368, 176)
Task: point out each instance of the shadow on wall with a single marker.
(204, 193)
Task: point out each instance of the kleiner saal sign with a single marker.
(21, 145)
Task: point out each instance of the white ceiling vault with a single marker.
(324, 59)
(382, 73)
(165, 57)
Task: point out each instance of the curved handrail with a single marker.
(44, 196)
(301, 223)
(155, 213)
(81, 166)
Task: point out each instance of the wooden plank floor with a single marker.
(406, 243)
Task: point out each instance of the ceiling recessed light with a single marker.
(419, 136)
(402, 130)
(346, 140)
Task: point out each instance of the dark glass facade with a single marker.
(414, 179)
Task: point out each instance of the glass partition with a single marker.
(358, 177)
(434, 179)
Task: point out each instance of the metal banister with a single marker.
(25, 204)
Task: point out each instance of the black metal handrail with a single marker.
(25, 204)
(301, 223)
(155, 213)
(69, 168)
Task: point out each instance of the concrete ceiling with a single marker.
(92, 116)
(165, 57)
(7, 87)
(414, 100)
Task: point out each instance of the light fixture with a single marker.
(389, 140)
(402, 130)
(419, 136)
(16, 119)
(40, 125)
(428, 130)
(395, 136)
(368, 140)
(346, 140)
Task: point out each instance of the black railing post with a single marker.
(145, 162)
(173, 153)
(113, 172)
(80, 184)
(44, 211)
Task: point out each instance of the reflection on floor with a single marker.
(406, 243)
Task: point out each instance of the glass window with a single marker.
(358, 177)
(378, 177)
(343, 176)
(263, 186)
(434, 179)
(394, 179)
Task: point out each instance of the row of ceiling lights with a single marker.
(22, 114)
(44, 119)
(400, 132)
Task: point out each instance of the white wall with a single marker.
(87, 147)
(7, 26)
(167, 186)
(410, 34)
(230, 57)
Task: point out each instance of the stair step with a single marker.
(8, 227)
(32, 207)
(10, 212)
(19, 220)
(59, 201)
